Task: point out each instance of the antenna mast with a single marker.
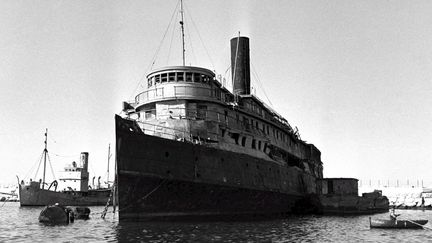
(45, 155)
(182, 29)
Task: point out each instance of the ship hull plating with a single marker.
(34, 196)
(165, 179)
(150, 199)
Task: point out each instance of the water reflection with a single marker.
(21, 225)
(291, 229)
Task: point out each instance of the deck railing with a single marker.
(172, 133)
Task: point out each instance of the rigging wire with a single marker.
(32, 168)
(172, 38)
(199, 36)
(40, 161)
(164, 35)
(191, 47)
(153, 60)
(235, 66)
(255, 74)
(49, 162)
(226, 71)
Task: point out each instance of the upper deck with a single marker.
(182, 82)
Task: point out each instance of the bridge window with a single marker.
(157, 79)
(189, 77)
(150, 82)
(253, 143)
(171, 77)
(180, 77)
(197, 78)
(164, 77)
(243, 141)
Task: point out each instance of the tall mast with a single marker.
(45, 156)
(182, 29)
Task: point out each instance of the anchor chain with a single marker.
(107, 204)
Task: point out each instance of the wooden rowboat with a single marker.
(397, 224)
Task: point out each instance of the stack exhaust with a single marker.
(240, 65)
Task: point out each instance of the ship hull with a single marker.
(34, 196)
(166, 179)
(149, 199)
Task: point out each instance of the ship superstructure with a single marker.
(187, 146)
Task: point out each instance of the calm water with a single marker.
(21, 225)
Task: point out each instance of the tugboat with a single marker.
(187, 148)
(76, 193)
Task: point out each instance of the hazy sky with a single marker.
(354, 76)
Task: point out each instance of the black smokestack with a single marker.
(240, 67)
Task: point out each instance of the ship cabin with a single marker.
(189, 104)
(75, 177)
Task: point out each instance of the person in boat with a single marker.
(393, 215)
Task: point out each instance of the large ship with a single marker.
(187, 147)
(72, 188)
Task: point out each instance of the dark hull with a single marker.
(146, 198)
(397, 224)
(32, 196)
(161, 179)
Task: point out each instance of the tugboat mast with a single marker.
(45, 155)
(182, 29)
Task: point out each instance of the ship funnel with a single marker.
(84, 172)
(240, 66)
(84, 160)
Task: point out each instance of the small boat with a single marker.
(397, 224)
